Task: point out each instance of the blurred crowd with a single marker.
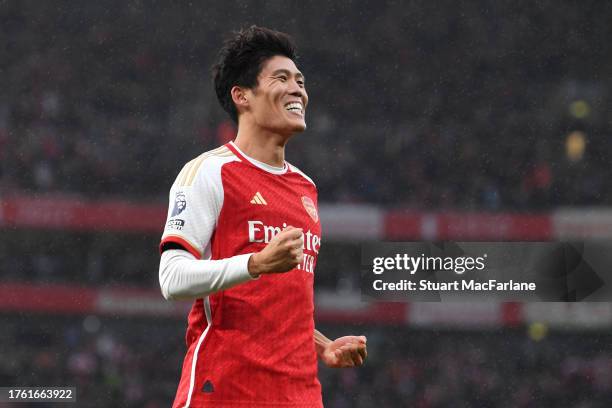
(502, 368)
(136, 363)
(449, 104)
(112, 363)
(82, 259)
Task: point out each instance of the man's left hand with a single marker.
(347, 351)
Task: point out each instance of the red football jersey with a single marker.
(251, 345)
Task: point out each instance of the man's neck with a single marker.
(266, 147)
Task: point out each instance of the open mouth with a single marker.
(295, 107)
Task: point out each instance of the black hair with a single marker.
(241, 58)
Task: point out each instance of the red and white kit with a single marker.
(249, 345)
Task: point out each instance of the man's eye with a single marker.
(283, 78)
(300, 83)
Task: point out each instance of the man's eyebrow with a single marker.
(287, 72)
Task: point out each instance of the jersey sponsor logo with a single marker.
(176, 224)
(311, 209)
(258, 199)
(260, 232)
(180, 203)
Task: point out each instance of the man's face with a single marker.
(278, 103)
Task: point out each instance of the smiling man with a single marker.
(242, 239)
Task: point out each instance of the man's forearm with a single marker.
(320, 341)
(182, 276)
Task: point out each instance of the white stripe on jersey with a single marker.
(194, 358)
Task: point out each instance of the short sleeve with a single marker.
(195, 201)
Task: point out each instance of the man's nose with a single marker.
(295, 89)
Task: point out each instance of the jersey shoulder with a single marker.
(301, 173)
(208, 163)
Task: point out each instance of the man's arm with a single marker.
(347, 351)
(182, 276)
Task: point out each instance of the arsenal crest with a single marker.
(310, 208)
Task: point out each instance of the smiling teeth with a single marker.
(294, 107)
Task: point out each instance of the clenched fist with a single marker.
(283, 253)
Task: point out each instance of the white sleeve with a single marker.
(182, 276)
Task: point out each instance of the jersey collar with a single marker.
(265, 167)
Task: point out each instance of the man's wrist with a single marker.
(321, 342)
(253, 266)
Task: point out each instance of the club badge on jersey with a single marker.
(310, 207)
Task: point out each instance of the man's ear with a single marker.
(239, 96)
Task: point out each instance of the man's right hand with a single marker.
(283, 253)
